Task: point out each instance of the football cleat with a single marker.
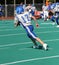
(45, 46)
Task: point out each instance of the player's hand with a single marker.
(37, 25)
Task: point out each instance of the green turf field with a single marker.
(15, 46)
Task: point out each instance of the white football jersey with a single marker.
(45, 8)
(24, 18)
(56, 8)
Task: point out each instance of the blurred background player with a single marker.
(32, 8)
(47, 2)
(1, 11)
(56, 9)
(45, 12)
(25, 20)
(54, 13)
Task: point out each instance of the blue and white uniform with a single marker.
(55, 8)
(25, 20)
(1, 7)
(57, 12)
(45, 12)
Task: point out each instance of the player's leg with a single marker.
(42, 43)
(57, 15)
(57, 22)
(31, 35)
(34, 37)
(35, 43)
(52, 18)
(45, 15)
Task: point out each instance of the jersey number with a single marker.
(25, 18)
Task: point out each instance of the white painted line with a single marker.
(30, 60)
(23, 43)
(25, 33)
(11, 34)
(47, 23)
(3, 26)
(9, 29)
(4, 48)
(51, 40)
(21, 29)
(12, 44)
(47, 27)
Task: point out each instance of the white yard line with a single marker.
(13, 44)
(21, 29)
(23, 43)
(4, 27)
(25, 33)
(30, 60)
(9, 29)
(47, 23)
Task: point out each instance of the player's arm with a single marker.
(16, 22)
(35, 21)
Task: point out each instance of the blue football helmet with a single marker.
(19, 10)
